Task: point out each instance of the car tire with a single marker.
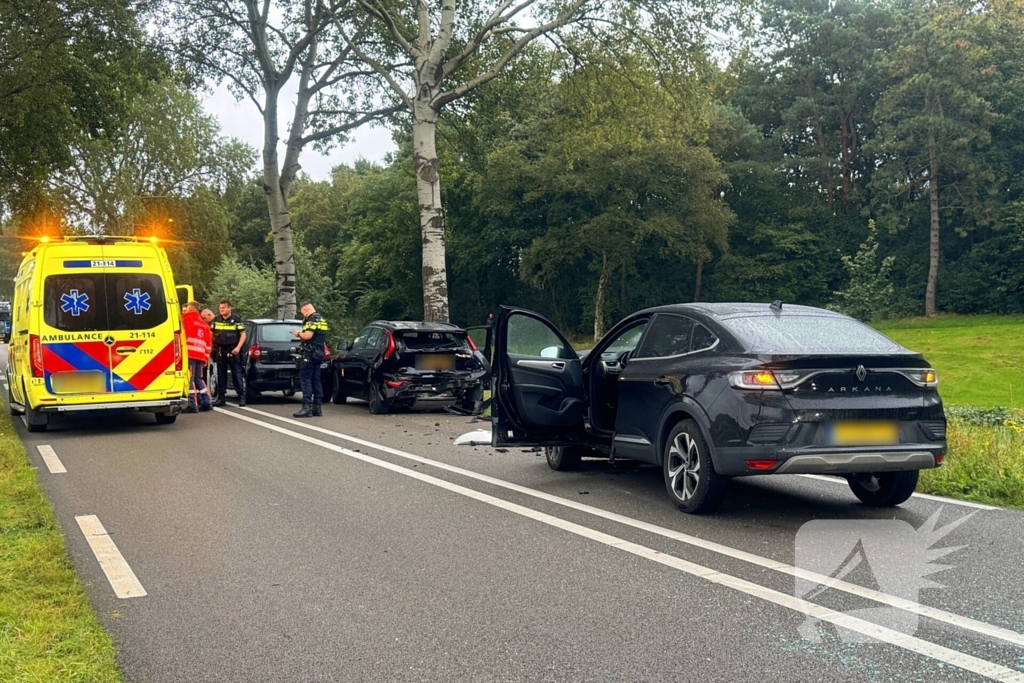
(473, 399)
(10, 402)
(885, 489)
(563, 458)
(251, 394)
(690, 477)
(165, 418)
(288, 393)
(338, 395)
(34, 420)
(378, 399)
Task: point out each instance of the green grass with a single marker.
(979, 358)
(48, 631)
(984, 464)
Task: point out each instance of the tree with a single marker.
(934, 122)
(436, 55)
(258, 47)
(868, 293)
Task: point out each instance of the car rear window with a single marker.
(94, 302)
(418, 341)
(278, 333)
(811, 334)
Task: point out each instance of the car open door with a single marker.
(537, 384)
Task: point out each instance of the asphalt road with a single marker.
(369, 548)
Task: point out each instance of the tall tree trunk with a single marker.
(277, 205)
(602, 286)
(700, 278)
(428, 191)
(933, 247)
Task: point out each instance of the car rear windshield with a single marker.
(94, 302)
(278, 333)
(421, 341)
(810, 334)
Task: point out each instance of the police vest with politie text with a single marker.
(314, 346)
(227, 331)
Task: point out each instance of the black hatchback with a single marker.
(268, 360)
(713, 391)
(401, 365)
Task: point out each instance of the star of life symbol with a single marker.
(137, 301)
(74, 303)
(887, 555)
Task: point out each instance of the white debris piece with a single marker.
(479, 437)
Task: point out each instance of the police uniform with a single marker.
(311, 354)
(226, 334)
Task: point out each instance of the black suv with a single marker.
(398, 365)
(268, 360)
(712, 391)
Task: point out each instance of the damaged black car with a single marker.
(405, 365)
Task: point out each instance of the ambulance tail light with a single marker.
(177, 352)
(36, 353)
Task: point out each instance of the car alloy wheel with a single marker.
(690, 477)
(563, 458)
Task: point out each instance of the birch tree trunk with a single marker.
(700, 279)
(933, 247)
(602, 285)
(428, 191)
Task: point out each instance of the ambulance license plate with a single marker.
(864, 433)
(78, 383)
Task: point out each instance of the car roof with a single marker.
(725, 311)
(416, 326)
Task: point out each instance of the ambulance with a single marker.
(96, 327)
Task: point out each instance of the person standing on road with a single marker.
(228, 339)
(197, 336)
(208, 316)
(311, 353)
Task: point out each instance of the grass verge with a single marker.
(48, 631)
(985, 463)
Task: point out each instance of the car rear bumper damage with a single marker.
(430, 389)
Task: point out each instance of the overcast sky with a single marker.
(241, 119)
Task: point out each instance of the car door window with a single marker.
(703, 339)
(628, 340)
(669, 336)
(373, 341)
(360, 341)
(527, 336)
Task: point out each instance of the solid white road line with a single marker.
(53, 463)
(957, 620)
(926, 496)
(121, 577)
(911, 643)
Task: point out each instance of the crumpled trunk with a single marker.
(428, 191)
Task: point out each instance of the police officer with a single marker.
(228, 339)
(311, 353)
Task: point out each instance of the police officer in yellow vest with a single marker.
(311, 353)
(228, 340)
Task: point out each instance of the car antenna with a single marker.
(777, 304)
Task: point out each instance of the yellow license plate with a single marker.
(864, 433)
(78, 383)
(435, 362)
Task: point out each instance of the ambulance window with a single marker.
(75, 302)
(135, 301)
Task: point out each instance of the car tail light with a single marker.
(177, 352)
(390, 350)
(762, 464)
(758, 379)
(923, 378)
(939, 458)
(472, 344)
(255, 352)
(327, 353)
(36, 353)
(392, 384)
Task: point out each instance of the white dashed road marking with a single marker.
(911, 643)
(53, 463)
(121, 577)
(735, 553)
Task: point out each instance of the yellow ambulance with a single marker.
(96, 326)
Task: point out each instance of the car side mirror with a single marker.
(551, 352)
(343, 346)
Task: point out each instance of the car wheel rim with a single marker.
(684, 466)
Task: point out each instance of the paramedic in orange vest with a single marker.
(198, 338)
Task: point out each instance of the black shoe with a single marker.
(316, 410)
(191, 409)
(220, 402)
(241, 402)
(307, 411)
